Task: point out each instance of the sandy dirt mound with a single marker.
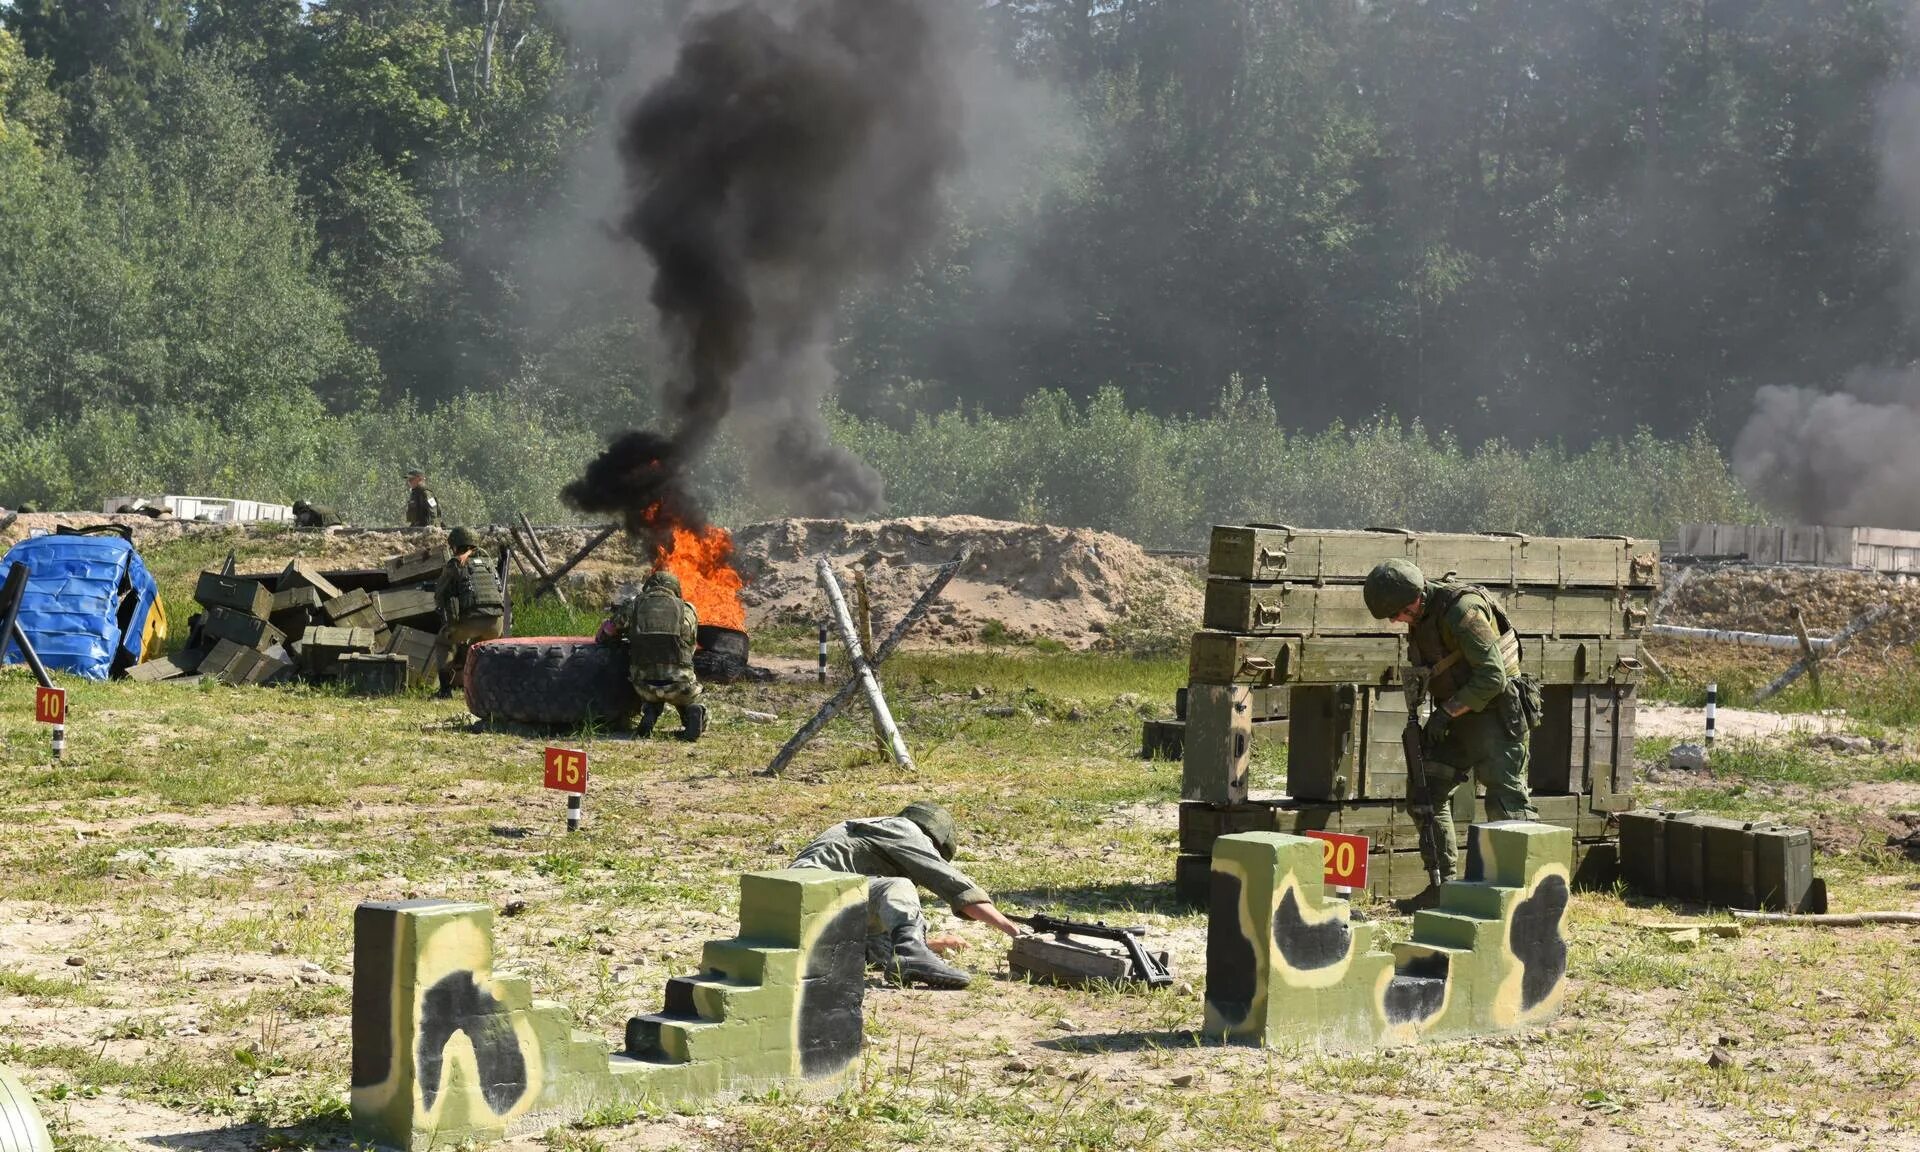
(1073, 585)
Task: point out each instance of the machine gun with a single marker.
(1052, 954)
(1419, 793)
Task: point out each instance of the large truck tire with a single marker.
(556, 681)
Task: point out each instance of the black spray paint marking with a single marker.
(1536, 941)
(1417, 990)
(457, 1003)
(831, 994)
(1307, 946)
(1230, 955)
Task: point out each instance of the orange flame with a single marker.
(702, 561)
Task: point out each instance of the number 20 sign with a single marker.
(567, 770)
(1345, 858)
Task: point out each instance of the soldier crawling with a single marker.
(471, 603)
(1483, 709)
(661, 630)
(899, 852)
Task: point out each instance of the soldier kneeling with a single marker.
(661, 631)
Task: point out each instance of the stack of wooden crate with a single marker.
(1284, 609)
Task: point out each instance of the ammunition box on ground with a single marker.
(1278, 552)
(347, 604)
(424, 653)
(1339, 609)
(1219, 743)
(1783, 877)
(246, 596)
(232, 663)
(246, 631)
(373, 674)
(1707, 859)
(1585, 743)
(168, 667)
(410, 607)
(300, 574)
(321, 648)
(417, 565)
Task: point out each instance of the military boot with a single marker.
(913, 962)
(446, 686)
(649, 716)
(693, 722)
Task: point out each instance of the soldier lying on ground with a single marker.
(307, 515)
(900, 852)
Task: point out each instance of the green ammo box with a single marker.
(1783, 876)
(408, 606)
(300, 574)
(417, 565)
(321, 648)
(294, 609)
(245, 596)
(348, 604)
(1219, 743)
(373, 674)
(422, 650)
(1643, 851)
(244, 630)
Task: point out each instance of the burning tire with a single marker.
(559, 681)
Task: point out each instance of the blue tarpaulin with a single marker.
(87, 603)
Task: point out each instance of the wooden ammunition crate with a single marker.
(417, 565)
(373, 674)
(1259, 661)
(300, 574)
(1219, 743)
(1340, 609)
(1585, 743)
(425, 655)
(1344, 743)
(1167, 739)
(412, 607)
(243, 594)
(1731, 863)
(1278, 552)
(321, 648)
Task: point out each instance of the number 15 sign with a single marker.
(567, 770)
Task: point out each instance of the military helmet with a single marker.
(663, 579)
(302, 506)
(1391, 587)
(461, 539)
(412, 472)
(935, 821)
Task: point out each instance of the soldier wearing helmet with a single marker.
(903, 853)
(471, 602)
(1483, 709)
(661, 631)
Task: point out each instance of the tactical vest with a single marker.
(478, 590)
(1449, 670)
(659, 646)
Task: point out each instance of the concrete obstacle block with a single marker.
(1286, 963)
(447, 1051)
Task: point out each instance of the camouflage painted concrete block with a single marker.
(447, 1051)
(1285, 963)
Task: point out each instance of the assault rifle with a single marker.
(1419, 794)
(1064, 960)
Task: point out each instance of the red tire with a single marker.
(558, 681)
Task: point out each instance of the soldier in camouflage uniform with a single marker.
(307, 515)
(423, 511)
(1483, 710)
(899, 852)
(661, 631)
(471, 603)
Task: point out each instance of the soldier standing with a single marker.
(1483, 709)
(471, 603)
(423, 511)
(899, 852)
(661, 630)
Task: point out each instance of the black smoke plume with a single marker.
(796, 147)
(641, 479)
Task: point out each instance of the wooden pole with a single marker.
(839, 699)
(1827, 920)
(843, 619)
(553, 580)
(1807, 655)
(1832, 648)
(863, 619)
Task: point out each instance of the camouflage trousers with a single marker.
(680, 693)
(1489, 747)
(892, 903)
(461, 635)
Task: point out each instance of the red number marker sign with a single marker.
(1345, 857)
(50, 705)
(567, 770)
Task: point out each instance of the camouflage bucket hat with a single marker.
(461, 539)
(935, 822)
(1391, 586)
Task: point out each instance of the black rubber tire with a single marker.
(557, 681)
